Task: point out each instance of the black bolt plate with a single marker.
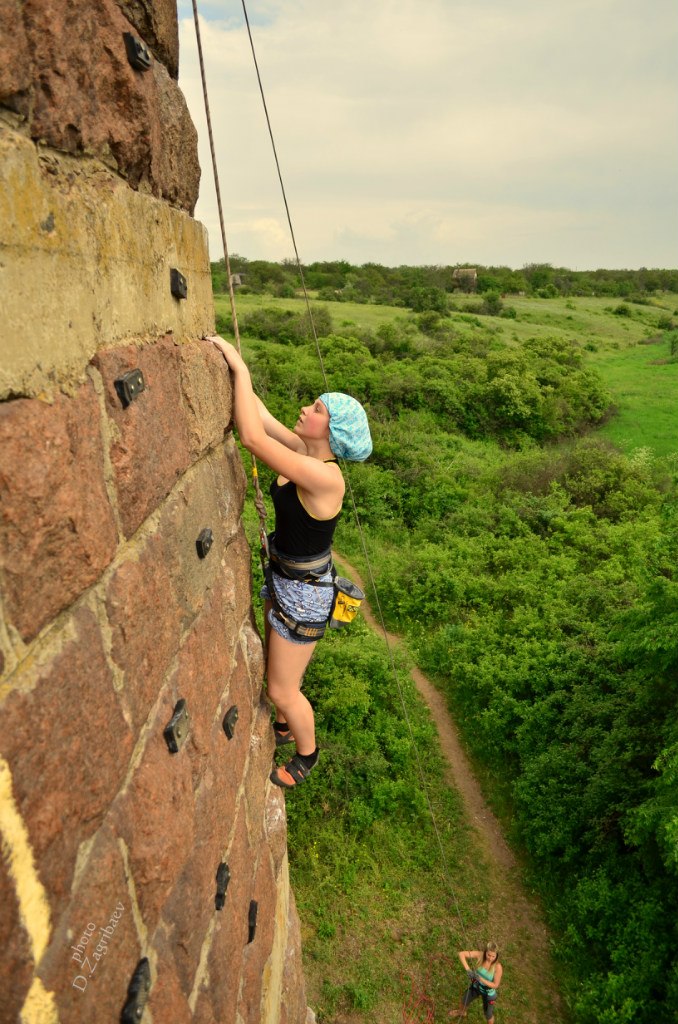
(223, 878)
(137, 993)
(130, 386)
(138, 53)
(230, 718)
(204, 542)
(176, 730)
(178, 285)
(252, 920)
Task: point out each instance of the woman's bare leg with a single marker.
(285, 667)
(279, 717)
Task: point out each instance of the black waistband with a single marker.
(299, 567)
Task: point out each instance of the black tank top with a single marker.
(297, 532)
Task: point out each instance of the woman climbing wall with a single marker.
(307, 497)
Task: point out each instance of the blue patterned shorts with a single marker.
(301, 601)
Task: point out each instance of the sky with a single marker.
(421, 132)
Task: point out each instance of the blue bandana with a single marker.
(349, 430)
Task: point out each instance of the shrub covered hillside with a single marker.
(532, 567)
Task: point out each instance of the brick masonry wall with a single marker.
(111, 843)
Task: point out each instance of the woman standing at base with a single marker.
(307, 497)
(484, 979)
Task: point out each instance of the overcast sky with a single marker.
(441, 131)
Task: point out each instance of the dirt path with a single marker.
(515, 920)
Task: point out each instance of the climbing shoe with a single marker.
(295, 771)
(283, 734)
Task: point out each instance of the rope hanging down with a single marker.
(259, 498)
(284, 196)
(348, 479)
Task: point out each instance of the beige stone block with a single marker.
(85, 265)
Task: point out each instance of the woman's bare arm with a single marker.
(464, 954)
(315, 477)
(274, 428)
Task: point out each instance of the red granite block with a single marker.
(74, 79)
(68, 746)
(275, 825)
(260, 762)
(150, 450)
(167, 1001)
(207, 498)
(218, 999)
(57, 532)
(156, 22)
(245, 590)
(191, 905)
(206, 387)
(156, 818)
(146, 626)
(258, 951)
(202, 678)
(15, 71)
(95, 948)
(237, 748)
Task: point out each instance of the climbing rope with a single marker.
(258, 496)
(418, 1002)
(345, 468)
(284, 196)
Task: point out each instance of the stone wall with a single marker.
(108, 615)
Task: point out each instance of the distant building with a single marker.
(465, 278)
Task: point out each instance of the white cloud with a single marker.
(437, 132)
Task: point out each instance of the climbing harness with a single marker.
(346, 600)
(303, 569)
(478, 989)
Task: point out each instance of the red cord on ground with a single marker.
(419, 1005)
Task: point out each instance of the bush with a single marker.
(285, 326)
(422, 299)
(492, 304)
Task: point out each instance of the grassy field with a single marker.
(343, 313)
(631, 352)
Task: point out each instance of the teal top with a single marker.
(487, 976)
